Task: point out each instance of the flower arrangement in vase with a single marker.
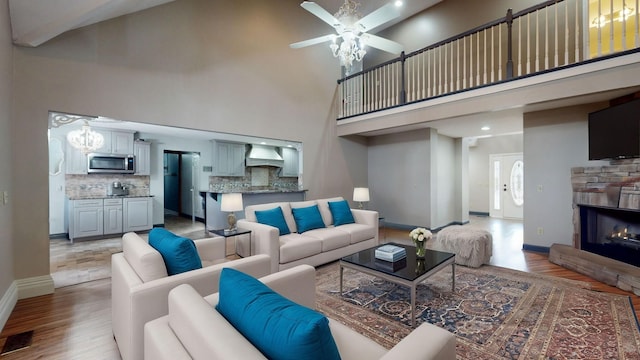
(420, 236)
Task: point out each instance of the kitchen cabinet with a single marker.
(142, 152)
(85, 218)
(116, 141)
(75, 161)
(112, 216)
(290, 167)
(228, 158)
(137, 214)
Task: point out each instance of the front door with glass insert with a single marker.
(507, 186)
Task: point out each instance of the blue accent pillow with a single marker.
(341, 212)
(273, 217)
(307, 218)
(275, 325)
(179, 253)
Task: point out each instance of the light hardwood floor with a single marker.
(75, 321)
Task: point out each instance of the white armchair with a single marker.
(193, 328)
(140, 285)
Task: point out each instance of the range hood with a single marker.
(262, 155)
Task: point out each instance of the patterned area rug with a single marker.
(496, 313)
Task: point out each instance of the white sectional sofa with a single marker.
(194, 329)
(313, 247)
(140, 285)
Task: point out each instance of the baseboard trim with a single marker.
(479, 213)
(35, 286)
(7, 303)
(536, 248)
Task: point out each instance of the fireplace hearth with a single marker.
(613, 233)
(606, 223)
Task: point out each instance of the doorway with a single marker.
(180, 184)
(506, 184)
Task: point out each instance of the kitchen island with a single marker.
(217, 219)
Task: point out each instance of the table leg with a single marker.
(453, 277)
(413, 305)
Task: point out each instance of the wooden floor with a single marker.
(75, 321)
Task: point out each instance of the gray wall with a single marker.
(220, 66)
(479, 167)
(554, 142)
(7, 236)
(413, 178)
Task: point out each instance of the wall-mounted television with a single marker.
(614, 132)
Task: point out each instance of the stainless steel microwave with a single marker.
(110, 163)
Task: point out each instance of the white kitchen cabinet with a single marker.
(290, 167)
(116, 141)
(75, 161)
(228, 158)
(85, 218)
(112, 216)
(122, 142)
(137, 214)
(142, 152)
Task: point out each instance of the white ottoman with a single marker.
(472, 246)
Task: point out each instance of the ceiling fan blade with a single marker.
(313, 41)
(378, 17)
(382, 43)
(321, 13)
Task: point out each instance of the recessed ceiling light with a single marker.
(263, 143)
(398, 3)
(485, 128)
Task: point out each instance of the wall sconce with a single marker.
(231, 203)
(621, 15)
(361, 194)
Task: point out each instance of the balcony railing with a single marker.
(546, 37)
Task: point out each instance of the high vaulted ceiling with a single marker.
(34, 22)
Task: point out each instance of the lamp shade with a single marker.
(231, 202)
(361, 194)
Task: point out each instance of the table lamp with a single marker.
(231, 203)
(361, 194)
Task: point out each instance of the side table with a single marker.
(227, 234)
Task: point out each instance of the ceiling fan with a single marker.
(353, 29)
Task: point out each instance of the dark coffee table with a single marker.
(409, 272)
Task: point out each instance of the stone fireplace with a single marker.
(606, 223)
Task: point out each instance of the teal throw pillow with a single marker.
(273, 217)
(179, 253)
(341, 212)
(307, 218)
(275, 325)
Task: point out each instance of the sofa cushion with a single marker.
(341, 213)
(273, 217)
(250, 213)
(324, 209)
(144, 259)
(278, 327)
(179, 253)
(308, 218)
(331, 238)
(298, 246)
(359, 232)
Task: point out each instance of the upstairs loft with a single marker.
(555, 54)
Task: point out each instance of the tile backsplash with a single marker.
(230, 183)
(79, 186)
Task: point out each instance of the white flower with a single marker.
(420, 234)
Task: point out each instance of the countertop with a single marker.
(92, 197)
(254, 191)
